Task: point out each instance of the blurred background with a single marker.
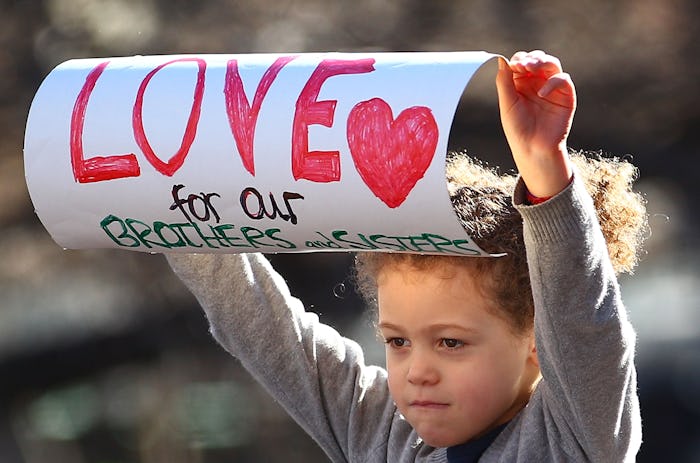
(105, 357)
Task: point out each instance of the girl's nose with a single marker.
(422, 370)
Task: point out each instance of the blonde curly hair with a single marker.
(482, 200)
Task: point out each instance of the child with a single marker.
(523, 358)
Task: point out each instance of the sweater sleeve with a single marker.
(584, 339)
(318, 376)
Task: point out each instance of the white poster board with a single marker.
(241, 153)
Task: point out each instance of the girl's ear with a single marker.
(532, 357)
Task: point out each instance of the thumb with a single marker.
(507, 95)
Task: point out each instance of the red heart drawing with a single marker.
(391, 155)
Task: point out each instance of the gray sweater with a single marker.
(584, 409)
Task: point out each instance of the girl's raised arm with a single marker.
(537, 101)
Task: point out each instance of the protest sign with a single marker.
(240, 153)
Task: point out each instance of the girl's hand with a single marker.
(537, 102)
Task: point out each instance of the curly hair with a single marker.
(482, 200)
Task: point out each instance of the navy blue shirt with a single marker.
(471, 451)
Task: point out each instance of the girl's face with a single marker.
(456, 370)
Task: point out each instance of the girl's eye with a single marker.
(452, 343)
(397, 342)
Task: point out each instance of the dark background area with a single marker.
(105, 357)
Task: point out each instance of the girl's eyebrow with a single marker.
(389, 326)
(464, 330)
(431, 327)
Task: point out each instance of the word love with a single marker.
(391, 154)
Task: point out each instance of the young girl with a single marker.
(522, 358)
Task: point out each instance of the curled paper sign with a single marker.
(241, 153)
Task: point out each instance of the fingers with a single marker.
(533, 72)
(536, 62)
(560, 82)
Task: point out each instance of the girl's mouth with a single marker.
(427, 404)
